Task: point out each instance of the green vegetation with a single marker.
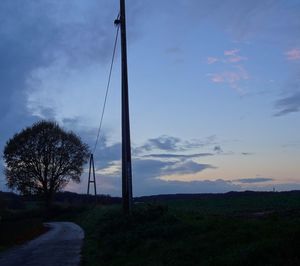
(19, 225)
(231, 229)
(18, 232)
(21, 221)
(235, 231)
(240, 203)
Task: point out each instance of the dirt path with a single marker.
(61, 245)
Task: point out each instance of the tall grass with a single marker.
(172, 235)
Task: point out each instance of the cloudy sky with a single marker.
(214, 88)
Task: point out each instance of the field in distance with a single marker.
(248, 228)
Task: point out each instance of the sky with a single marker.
(214, 89)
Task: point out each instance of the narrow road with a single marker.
(61, 245)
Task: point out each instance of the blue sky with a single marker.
(214, 88)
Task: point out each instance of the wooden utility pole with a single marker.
(126, 146)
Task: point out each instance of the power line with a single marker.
(107, 86)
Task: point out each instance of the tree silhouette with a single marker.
(43, 158)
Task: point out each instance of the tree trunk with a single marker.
(48, 200)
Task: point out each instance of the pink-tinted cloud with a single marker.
(236, 59)
(237, 72)
(232, 52)
(293, 54)
(232, 78)
(217, 78)
(231, 56)
(212, 60)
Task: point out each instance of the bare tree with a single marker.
(43, 158)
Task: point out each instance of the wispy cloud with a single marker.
(164, 143)
(218, 149)
(247, 153)
(232, 52)
(154, 165)
(218, 77)
(212, 60)
(293, 54)
(289, 100)
(236, 59)
(151, 169)
(253, 180)
(178, 156)
(230, 56)
(232, 78)
(292, 144)
(288, 104)
(234, 73)
(185, 167)
(167, 143)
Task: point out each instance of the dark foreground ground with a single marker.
(60, 245)
(230, 229)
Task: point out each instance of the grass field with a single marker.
(245, 229)
(231, 229)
